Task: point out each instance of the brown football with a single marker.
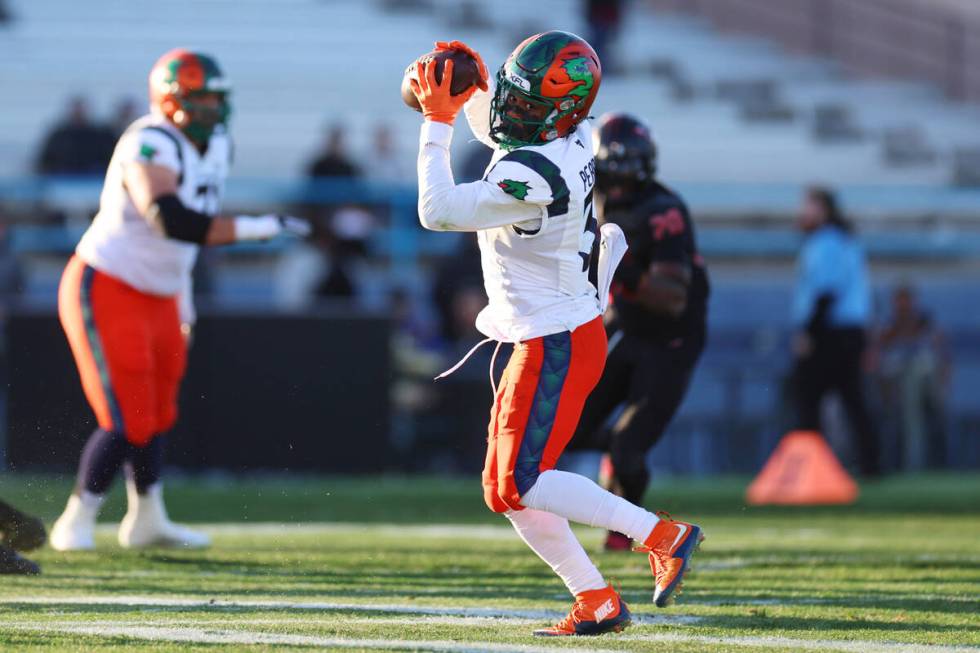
(465, 74)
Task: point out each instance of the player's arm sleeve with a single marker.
(477, 110)
(447, 206)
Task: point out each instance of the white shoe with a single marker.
(75, 529)
(146, 523)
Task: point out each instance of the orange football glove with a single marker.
(438, 103)
(459, 45)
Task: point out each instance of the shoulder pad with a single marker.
(532, 177)
(155, 145)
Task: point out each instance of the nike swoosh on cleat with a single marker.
(604, 610)
(683, 530)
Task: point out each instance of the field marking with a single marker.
(395, 608)
(844, 646)
(461, 531)
(210, 636)
(191, 634)
(295, 620)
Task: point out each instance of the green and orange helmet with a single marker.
(544, 89)
(189, 89)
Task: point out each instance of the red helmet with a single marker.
(544, 89)
(179, 81)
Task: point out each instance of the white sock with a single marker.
(552, 539)
(578, 499)
(91, 501)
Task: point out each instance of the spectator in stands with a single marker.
(324, 265)
(384, 164)
(914, 367)
(604, 18)
(11, 279)
(301, 267)
(351, 228)
(831, 309)
(333, 159)
(409, 327)
(76, 146)
(458, 275)
(125, 114)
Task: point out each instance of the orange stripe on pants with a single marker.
(537, 408)
(129, 350)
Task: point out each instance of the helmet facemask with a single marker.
(519, 117)
(200, 112)
(621, 173)
(625, 156)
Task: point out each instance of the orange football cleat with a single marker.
(595, 612)
(670, 546)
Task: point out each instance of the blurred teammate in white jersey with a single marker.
(125, 298)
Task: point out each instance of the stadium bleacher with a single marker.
(298, 67)
(738, 140)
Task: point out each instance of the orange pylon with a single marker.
(802, 471)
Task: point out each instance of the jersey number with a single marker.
(591, 234)
(207, 195)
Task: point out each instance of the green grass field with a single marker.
(419, 564)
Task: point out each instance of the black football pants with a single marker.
(835, 366)
(649, 380)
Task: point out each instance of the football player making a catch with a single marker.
(532, 213)
(125, 296)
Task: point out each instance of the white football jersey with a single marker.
(533, 216)
(120, 242)
(536, 273)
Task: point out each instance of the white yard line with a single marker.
(209, 635)
(792, 643)
(283, 621)
(394, 608)
(501, 532)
